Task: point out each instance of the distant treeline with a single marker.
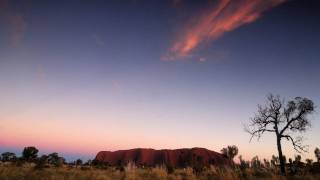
(293, 166)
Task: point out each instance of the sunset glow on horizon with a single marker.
(79, 77)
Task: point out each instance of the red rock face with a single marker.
(151, 157)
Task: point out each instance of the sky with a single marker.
(78, 77)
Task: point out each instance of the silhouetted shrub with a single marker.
(19, 161)
(256, 163)
(170, 168)
(230, 152)
(84, 168)
(266, 163)
(8, 156)
(243, 164)
(55, 159)
(78, 162)
(88, 163)
(42, 162)
(99, 164)
(315, 169)
(30, 153)
(317, 154)
(260, 173)
(274, 161)
(120, 168)
(197, 164)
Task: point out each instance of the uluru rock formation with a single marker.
(151, 157)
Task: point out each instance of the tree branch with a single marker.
(297, 144)
(299, 116)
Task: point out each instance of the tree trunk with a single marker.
(282, 165)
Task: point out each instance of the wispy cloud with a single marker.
(16, 23)
(224, 16)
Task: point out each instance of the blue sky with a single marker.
(78, 77)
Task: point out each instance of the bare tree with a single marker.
(283, 120)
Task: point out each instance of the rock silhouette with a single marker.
(176, 157)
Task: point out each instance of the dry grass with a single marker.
(28, 172)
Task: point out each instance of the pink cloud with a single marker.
(224, 16)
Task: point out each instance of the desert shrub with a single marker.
(256, 163)
(243, 174)
(8, 156)
(88, 163)
(274, 161)
(144, 173)
(315, 168)
(78, 162)
(56, 160)
(19, 162)
(197, 164)
(185, 173)
(120, 168)
(317, 154)
(243, 164)
(208, 174)
(308, 165)
(169, 168)
(42, 162)
(309, 162)
(160, 172)
(11, 172)
(224, 172)
(291, 167)
(30, 153)
(131, 166)
(298, 166)
(197, 169)
(85, 168)
(266, 163)
(230, 152)
(297, 158)
(284, 158)
(99, 164)
(260, 173)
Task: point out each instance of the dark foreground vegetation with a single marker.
(52, 166)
